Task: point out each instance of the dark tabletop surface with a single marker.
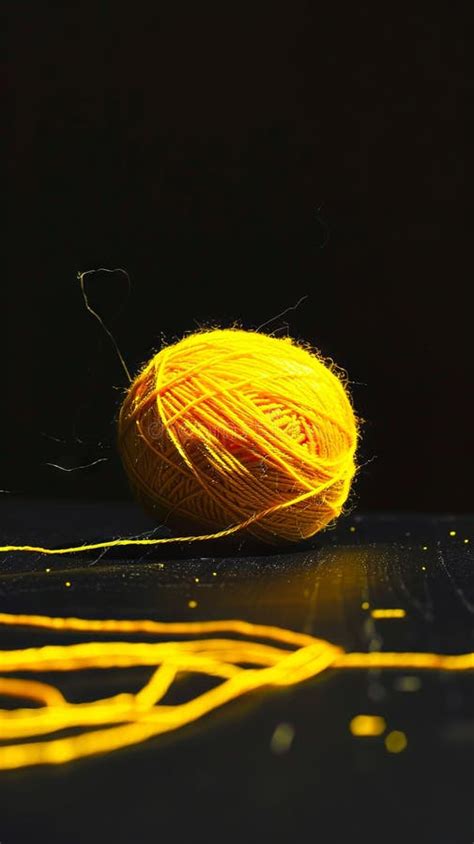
(219, 779)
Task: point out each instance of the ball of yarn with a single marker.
(240, 431)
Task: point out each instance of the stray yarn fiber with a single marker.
(230, 430)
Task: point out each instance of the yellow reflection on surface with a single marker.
(396, 741)
(282, 738)
(367, 725)
(408, 684)
(388, 613)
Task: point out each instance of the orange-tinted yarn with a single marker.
(232, 430)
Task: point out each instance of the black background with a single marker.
(234, 158)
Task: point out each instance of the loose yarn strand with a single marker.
(165, 540)
(80, 278)
(125, 719)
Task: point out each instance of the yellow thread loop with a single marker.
(243, 665)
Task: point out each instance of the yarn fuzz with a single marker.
(236, 430)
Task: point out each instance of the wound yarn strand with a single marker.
(235, 432)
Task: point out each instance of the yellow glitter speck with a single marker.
(282, 738)
(196, 579)
(192, 604)
(68, 583)
(352, 529)
(214, 574)
(425, 547)
(367, 725)
(396, 741)
(365, 605)
(466, 541)
(452, 533)
(47, 570)
(388, 613)
(408, 684)
(423, 568)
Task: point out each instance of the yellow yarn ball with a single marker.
(232, 430)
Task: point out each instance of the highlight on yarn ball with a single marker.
(231, 430)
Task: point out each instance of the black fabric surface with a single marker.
(218, 779)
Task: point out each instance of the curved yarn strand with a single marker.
(242, 665)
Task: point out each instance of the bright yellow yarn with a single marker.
(243, 665)
(232, 430)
